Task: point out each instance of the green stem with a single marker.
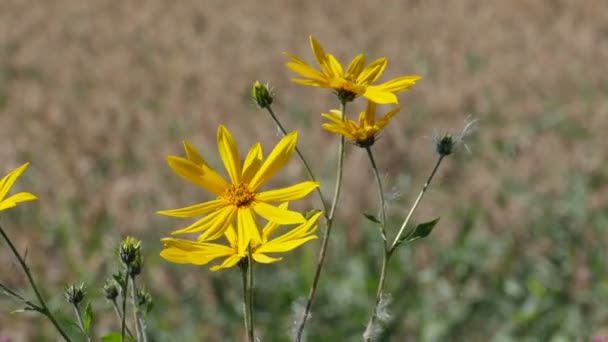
(379, 292)
(81, 322)
(138, 332)
(420, 195)
(380, 193)
(247, 311)
(45, 310)
(306, 165)
(124, 304)
(117, 310)
(250, 290)
(326, 235)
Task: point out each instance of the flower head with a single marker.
(356, 81)
(262, 94)
(129, 251)
(5, 186)
(448, 143)
(74, 294)
(241, 198)
(201, 253)
(362, 133)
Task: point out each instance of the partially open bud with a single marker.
(75, 293)
(129, 250)
(136, 266)
(262, 94)
(144, 300)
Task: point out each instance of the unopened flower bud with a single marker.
(110, 289)
(75, 293)
(262, 94)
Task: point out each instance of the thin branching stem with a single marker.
(306, 165)
(416, 203)
(80, 321)
(119, 315)
(326, 235)
(380, 193)
(42, 304)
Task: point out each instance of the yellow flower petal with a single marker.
(306, 71)
(291, 193)
(194, 210)
(7, 181)
(12, 201)
(229, 154)
(212, 222)
(188, 170)
(334, 66)
(380, 96)
(228, 263)
(355, 67)
(399, 84)
(387, 117)
(320, 54)
(271, 226)
(371, 73)
(253, 162)
(193, 155)
(218, 228)
(264, 259)
(247, 229)
(275, 161)
(278, 215)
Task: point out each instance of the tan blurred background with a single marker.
(95, 94)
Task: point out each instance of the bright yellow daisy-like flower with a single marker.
(5, 186)
(362, 133)
(181, 251)
(240, 198)
(356, 81)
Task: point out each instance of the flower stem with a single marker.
(409, 215)
(124, 304)
(326, 235)
(247, 305)
(380, 192)
(81, 322)
(306, 165)
(388, 252)
(119, 315)
(45, 310)
(138, 332)
(250, 289)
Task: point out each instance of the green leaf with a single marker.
(372, 218)
(116, 337)
(420, 231)
(88, 318)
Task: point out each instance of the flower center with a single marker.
(239, 195)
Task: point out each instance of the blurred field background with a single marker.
(95, 94)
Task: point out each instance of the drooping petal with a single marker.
(333, 115)
(380, 96)
(271, 226)
(247, 229)
(212, 222)
(264, 259)
(15, 199)
(253, 162)
(206, 178)
(284, 246)
(311, 83)
(200, 256)
(399, 84)
(7, 181)
(278, 215)
(229, 154)
(291, 193)
(275, 161)
(228, 263)
(218, 229)
(195, 210)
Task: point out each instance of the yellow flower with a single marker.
(181, 251)
(240, 198)
(357, 81)
(5, 185)
(362, 133)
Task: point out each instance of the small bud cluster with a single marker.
(129, 252)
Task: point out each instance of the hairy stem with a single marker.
(138, 332)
